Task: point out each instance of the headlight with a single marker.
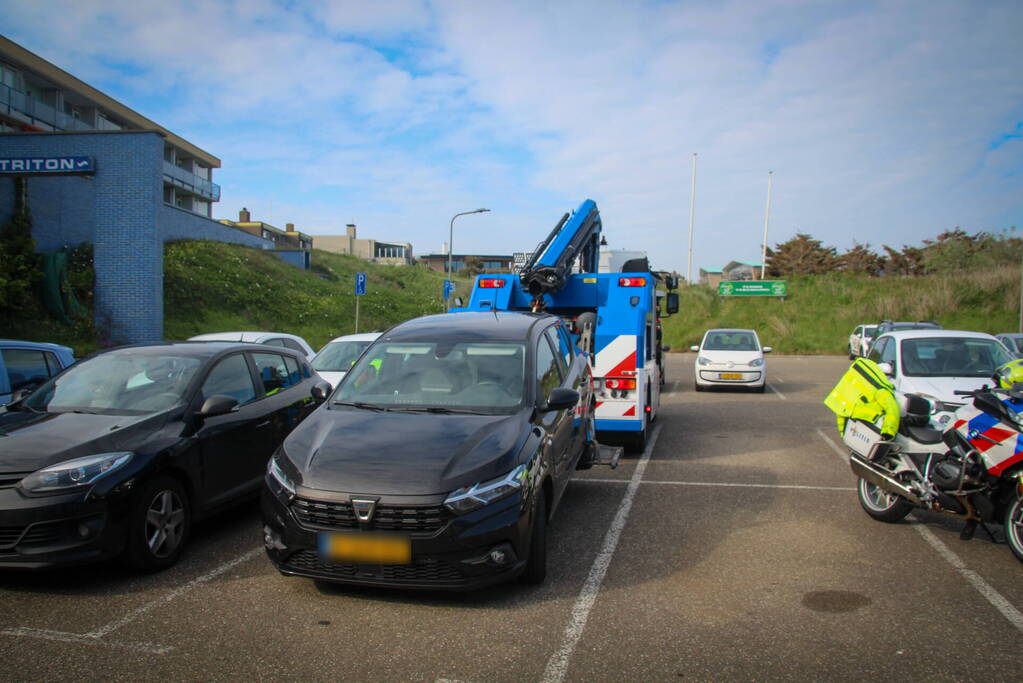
(278, 475)
(474, 497)
(756, 362)
(72, 474)
(700, 360)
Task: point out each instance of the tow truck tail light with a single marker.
(620, 383)
(491, 283)
(632, 282)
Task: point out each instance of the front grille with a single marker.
(9, 535)
(421, 571)
(10, 479)
(42, 532)
(331, 515)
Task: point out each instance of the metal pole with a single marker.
(451, 238)
(692, 215)
(1021, 288)
(767, 219)
(357, 297)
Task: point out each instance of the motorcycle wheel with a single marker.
(1014, 528)
(880, 504)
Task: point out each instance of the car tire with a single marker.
(760, 389)
(1014, 528)
(697, 386)
(880, 504)
(536, 563)
(158, 525)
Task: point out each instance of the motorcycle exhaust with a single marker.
(868, 471)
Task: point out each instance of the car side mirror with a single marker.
(887, 368)
(671, 302)
(768, 349)
(18, 396)
(562, 398)
(321, 390)
(694, 348)
(218, 404)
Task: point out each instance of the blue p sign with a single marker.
(360, 284)
(449, 287)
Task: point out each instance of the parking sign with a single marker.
(449, 286)
(360, 284)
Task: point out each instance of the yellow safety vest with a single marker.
(865, 393)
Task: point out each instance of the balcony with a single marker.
(20, 106)
(190, 182)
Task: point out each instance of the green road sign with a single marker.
(753, 288)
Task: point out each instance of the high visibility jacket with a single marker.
(865, 393)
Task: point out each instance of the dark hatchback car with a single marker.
(439, 459)
(121, 452)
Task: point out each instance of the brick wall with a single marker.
(120, 210)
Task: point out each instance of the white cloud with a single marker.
(881, 121)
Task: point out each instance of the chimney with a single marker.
(290, 227)
(244, 216)
(351, 230)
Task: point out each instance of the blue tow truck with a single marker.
(614, 318)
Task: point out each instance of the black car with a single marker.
(438, 460)
(121, 452)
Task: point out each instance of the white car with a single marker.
(860, 340)
(288, 341)
(1012, 341)
(338, 355)
(728, 357)
(936, 363)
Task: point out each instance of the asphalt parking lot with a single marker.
(733, 548)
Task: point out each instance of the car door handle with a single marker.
(264, 423)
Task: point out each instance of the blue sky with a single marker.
(883, 122)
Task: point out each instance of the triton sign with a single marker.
(47, 166)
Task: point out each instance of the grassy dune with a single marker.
(821, 311)
(214, 287)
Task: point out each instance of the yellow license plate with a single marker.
(366, 548)
(729, 375)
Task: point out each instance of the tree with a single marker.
(861, 260)
(473, 266)
(19, 264)
(910, 261)
(801, 255)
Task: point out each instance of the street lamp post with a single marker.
(451, 237)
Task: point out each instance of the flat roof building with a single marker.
(37, 96)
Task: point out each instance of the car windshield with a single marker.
(128, 382)
(869, 332)
(730, 341)
(460, 376)
(952, 357)
(339, 356)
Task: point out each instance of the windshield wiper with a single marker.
(444, 411)
(364, 406)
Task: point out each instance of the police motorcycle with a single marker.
(972, 470)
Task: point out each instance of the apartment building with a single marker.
(386, 253)
(37, 96)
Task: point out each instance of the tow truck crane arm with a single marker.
(576, 236)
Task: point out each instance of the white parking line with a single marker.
(136, 613)
(722, 484)
(996, 599)
(557, 665)
(780, 395)
(841, 453)
(779, 380)
(95, 637)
